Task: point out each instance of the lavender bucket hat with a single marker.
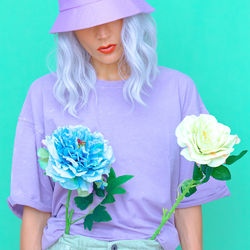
(81, 14)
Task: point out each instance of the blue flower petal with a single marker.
(77, 157)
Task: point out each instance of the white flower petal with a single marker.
(206, 140)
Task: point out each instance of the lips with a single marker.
(107, 49)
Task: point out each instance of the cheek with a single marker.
(86, 41)
(88, 45)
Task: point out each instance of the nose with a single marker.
(102, 31)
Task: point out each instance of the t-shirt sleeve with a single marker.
(29, 186)
(192, 104)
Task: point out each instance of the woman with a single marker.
(106, 49)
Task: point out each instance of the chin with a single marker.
(109, 60)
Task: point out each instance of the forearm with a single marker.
(33, 223)
(188, 222)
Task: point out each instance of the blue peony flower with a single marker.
(76, 158)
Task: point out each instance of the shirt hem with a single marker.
(215, 196)
(16, 205)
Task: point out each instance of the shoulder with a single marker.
(175, 79)
(42, 84)
(173, 74)
(38, 94)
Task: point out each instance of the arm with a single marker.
(33, 223)
(188, 223)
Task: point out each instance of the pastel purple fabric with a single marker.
(144, 145)
(82, 14)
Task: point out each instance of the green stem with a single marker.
(90, 211)
(72, 222)
(165, 218)
(68, 217)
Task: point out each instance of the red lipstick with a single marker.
(107, 49)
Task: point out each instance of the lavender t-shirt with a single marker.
(144, 145)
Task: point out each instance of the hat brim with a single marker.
(98, 13)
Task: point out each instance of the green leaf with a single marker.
(100, 214)
(43, 163)
(118, 190)
(197, 173)
(43, 153)
(184, 186)
(43, 159)
(99, 192)
(221, 173)
(207, 171)
(83, 202)
(111, 174)
(88, 221)
(108, 199)
(118, 181)
(191, 191)
(206, 179)
(233, 158)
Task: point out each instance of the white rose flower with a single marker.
(205, 140)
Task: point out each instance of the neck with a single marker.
(109, 72)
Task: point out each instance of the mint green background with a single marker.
(207, 40)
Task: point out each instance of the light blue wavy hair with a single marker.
(76, 76)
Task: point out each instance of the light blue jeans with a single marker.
(80, 242)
